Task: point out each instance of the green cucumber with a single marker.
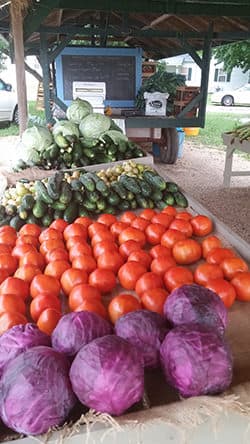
(180, 199)
(78, 196)
(47, 219)
(130, 183)
(59, 206)
(16, 222)
(91, 206)
(87, 181)
(101, 204)
(172, 187)
(76, 184)
(124, 205)
(146, 189)
(42, 192)
(168, 197)
(28, 201)
(113, 198)
(156, 195)
(154, 180)
(39, 210)
(119, 189)
(141, 201)
(66, 193)
(160, 204)
(82, 211)
(71, 212)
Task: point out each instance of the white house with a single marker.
(218, 79)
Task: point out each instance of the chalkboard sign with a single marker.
(119, 68)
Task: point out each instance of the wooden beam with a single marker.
(236, 24)
(17, 32)
(36, 15)
(44, 60)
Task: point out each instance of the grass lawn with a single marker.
(12, 130)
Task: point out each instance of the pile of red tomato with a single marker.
(148, 255)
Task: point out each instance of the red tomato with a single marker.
(27, 272)
(84, 220)
(72, 241)
(50, 234)
(159, 251)
(127, 217)
(101, 236)
(241, 283)
(161, 264)
(41, 302)
(75, 229)
(6, 249)
(147, 213)
(9, 319)
(170, 237)
(59, 225)
(8, 263)
(103, 280)
(3, 275)
(27, 239)
(48, 320)
(233, 265)
(72, 277)
(131, 233)
(56, 268)
(183, 215)
(46, 285)
(223, 289)
(12, 303)
(141, 256)
(202, 225)
(117, 227)
(58, 254)
(170, 210)
(50, 245)
(140, 223)
(8, 238)
(206, 272)
(154, 299)
(32, 258)
(79, 250)
(30, 229)
(163, 219)
(177, 276)
(95, 306)
(148, 281)
(110, 260)
(14, 285)
(129, 274)
(217, 255)
(210, 243)
(97, 228)
(122, 304)
(128, 247)
(7, 229)
(82, 292)
(182, 225)
(186, 251)
(107, 219)
(19, 250)
(84, 262)
(154, 233)
(103, 246)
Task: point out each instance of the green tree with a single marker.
(3, 57)
(161, 66)
(234, 55)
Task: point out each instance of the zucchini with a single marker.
(154, 180)
(71, 212)
(16, 222)
(172, 187)
(39, 210)
(180, 199)
(28, 201)
(113, 198)
(66, 193)
(130, 183)
(119, 189)
(42, 193)
(169, 198)
(88, 182)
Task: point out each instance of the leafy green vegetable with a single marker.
(78, 109)
(37, 137)
(94, 125)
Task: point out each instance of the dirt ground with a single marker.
(200, 173)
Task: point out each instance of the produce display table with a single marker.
(233, 143)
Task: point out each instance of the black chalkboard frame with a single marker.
(89, 54)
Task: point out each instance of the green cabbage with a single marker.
(94, 125)
(37, 137)
(116, 136)
(78, 109)
(65, 128)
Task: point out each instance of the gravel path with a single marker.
(199, 172)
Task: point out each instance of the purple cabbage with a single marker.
(18, 339)
(36, 393)
(77, 329)
(196, 361)
(197, 305)
(146, 330)
(107, 375)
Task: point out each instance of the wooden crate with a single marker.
(180, 105)
(186, 93)
(148, 69)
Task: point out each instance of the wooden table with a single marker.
(233, 143)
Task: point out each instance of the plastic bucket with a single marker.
(191, 131)
(181, 137)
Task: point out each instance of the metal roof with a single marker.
(163, 28)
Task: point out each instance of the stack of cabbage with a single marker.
(86, 138)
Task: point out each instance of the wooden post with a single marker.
(17, 32)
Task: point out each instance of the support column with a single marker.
(17, 32)
(44, 60)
